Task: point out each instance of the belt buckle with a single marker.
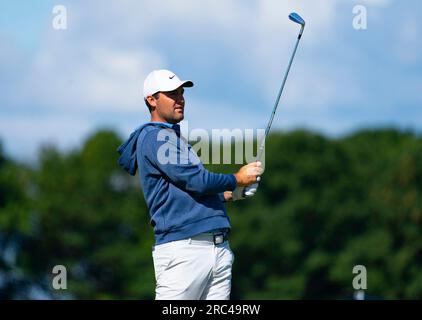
(218, 238)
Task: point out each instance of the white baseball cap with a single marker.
(163, 80)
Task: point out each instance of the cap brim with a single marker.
(187, 84)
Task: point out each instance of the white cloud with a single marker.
(97, 66)
(314, 87)
(90, 67)
(220, 115)
(71, 76)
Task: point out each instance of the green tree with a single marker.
(323, 206)
(91, 218)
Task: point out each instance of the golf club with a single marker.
(250, 190)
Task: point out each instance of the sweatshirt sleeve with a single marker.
(176, 159)
(221, 196)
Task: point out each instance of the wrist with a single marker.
(238, 179)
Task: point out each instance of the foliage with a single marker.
(323, 206)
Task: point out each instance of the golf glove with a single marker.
(249, 191)
(241, 193)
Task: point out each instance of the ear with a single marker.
(152, 101)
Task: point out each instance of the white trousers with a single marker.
(193, 269)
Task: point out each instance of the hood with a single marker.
(128, 159)
(127, 151)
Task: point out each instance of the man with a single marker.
(192, 257)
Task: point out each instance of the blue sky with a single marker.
(59, 86)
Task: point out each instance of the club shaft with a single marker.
(267, 129)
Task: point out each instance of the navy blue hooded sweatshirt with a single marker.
(183, 198)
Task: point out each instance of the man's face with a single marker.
(168, 106)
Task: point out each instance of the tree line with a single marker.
(324, 206)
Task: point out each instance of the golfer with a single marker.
(192, 257)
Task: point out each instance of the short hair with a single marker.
(155, 96)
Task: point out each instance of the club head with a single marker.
(296, 18)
